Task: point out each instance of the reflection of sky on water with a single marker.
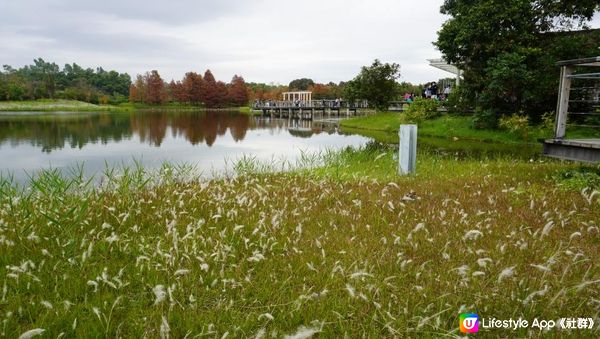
(153, 141)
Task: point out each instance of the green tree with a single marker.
(407, 87)
(13, 86)
(301, 84)
(507, 50)
(42, 77)
(375, 83)
(46, 80)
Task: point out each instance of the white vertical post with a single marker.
(562, 107)
(407, 157)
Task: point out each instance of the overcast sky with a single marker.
(263, 40)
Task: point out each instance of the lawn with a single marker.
(345, 249)
(384, 127)
(51, 105)
(47, 105)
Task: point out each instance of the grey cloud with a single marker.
(175, 12)
(127, 44)
(325, 40)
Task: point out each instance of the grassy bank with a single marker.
(384, 127)
(247, 110)
(349, 249)
(48, 105)
(175, 106)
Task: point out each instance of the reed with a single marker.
(335, 245)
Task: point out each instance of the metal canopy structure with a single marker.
(445, 66)
(595, 61)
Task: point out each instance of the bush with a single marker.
(548, 121)
(485, 119)
(117, 99)
(578, 179)
(422, 109)
(593, 120)
(458, 102)
(517, 125)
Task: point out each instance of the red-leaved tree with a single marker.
(192, 86)
(210, 90)
(237, 91)
(157, 93)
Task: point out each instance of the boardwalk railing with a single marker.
(335, 104)
(577, 106)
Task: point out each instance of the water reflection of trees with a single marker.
(57, 131)
(206, 127)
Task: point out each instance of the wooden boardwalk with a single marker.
(309, 110)
(586, 150)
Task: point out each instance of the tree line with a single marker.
(46, 80)
(320, 91)
(193, 89)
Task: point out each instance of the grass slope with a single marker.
(384, 127)
(48, 105)
(347, 249)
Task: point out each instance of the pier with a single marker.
(577, 106)
(311, 109)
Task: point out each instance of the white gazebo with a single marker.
(444, 66)
(300, 95)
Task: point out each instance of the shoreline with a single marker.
(80, 106)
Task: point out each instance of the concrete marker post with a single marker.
(407, 157)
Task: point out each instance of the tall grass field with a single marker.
(347, 249)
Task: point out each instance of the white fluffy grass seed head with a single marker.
(32, 333)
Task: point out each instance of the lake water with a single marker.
(208, 140)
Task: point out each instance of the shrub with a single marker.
(516, 124)
(485, 119)
(458, 102)
(578, 179)
(422, 109)
(548, 121)
(593, 119)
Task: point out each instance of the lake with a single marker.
(208, 140)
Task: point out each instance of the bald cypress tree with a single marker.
(237, 92)
(156, 92)
(210, 90)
